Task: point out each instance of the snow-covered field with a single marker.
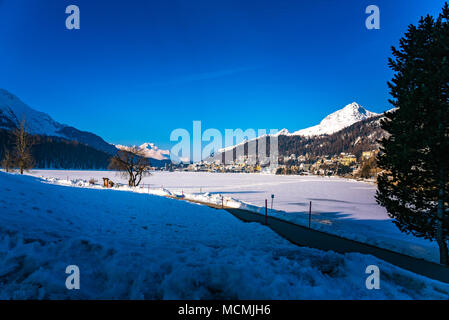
(339, 206)
(132, 245)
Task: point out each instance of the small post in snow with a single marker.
(310, 213)
(266, 213)
(272, 197)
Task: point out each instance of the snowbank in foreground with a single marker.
(136, 246)
(339, 206)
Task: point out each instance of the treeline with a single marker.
(58, 153)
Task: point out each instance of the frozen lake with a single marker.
(339, 206)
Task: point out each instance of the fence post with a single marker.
(310, 213)
(266, 213)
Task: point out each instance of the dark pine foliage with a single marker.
(57, 153)
(414, 157)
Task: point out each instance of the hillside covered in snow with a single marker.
(337, 121)
(138, 246)
(13, 111)
(60, 146)
(352, 129)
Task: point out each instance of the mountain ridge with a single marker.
(359, 131)
(331, 124)
(338, 120)
(334, 122)
(13, 111)
(150, 150)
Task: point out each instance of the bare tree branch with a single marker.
(22, 155)
(132, 163)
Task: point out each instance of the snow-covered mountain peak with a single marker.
(149, 146)
(13, 111)
(338, 120)
(283, 132)
(352, 111)
(333, 123)
(150, 150)
(153, 151)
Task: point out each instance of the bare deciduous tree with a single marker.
(132, 163)
(7, 161)
(22, 155)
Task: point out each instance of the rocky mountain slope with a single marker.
(13, 111)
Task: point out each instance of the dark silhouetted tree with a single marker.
(414, 184)
(132, 163)
(22, 155)
(7, 161)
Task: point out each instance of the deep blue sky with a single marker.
(136, 70)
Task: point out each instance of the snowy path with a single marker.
(319, 240)
(139, 246)
(340, 206)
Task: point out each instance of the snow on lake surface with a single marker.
(340, 206)
(140, 246)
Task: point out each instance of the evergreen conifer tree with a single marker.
(414, 186)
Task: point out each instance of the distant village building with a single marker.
(369, 154)
(348, 160)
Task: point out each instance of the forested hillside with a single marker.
(57, 153)
(359, 137)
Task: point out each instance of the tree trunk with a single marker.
(440, 237)
(132, 180)
(139, 175)
(444, 260)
